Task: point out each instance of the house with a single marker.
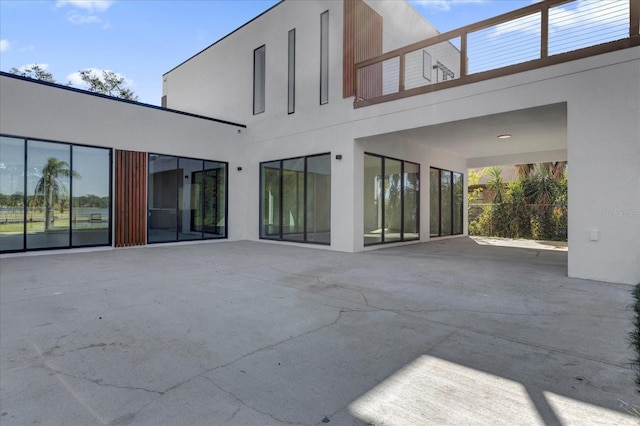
(346, 125)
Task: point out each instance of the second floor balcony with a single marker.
(542, 34)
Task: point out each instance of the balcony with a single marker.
(542, 34)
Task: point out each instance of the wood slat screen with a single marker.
(131, 198)
(362, 40)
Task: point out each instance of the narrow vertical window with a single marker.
(291, 103)
(324, 58)
(259, 79)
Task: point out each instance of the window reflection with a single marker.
(91, 203)
(59, 197)
(48, 194)
(11, 194)
(295, 199)
(447, 198)
(187, 199)
(391, 200)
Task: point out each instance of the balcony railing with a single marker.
(542, 34)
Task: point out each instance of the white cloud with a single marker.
(78, 19)
(586, 14)
(85, 11)
(88, 5)
(4, 45)
(443, 5)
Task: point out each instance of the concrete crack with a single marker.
(234, 396)
(99, 382)
(288, 339)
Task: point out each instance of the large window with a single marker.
(259, 78)
(446, 193)
(60, 197)
(295, 199)
(187, 199)
(391, 200)
(324, 58)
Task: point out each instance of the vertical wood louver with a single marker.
(362, 40)
(130, 198)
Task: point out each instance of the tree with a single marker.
(34, 71)
(555, 170)
(108, 84)
(525, 170)
(496, 183)
(50, 187)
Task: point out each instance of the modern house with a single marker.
(347, 125)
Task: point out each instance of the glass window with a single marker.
(293, 205)
(295, 199)
(91, 203)
(60, 197)
(259, 61)
(391, 200)
(187, 199)
(447, 198)
(270, 199)
(12, 194)
(48, 188)
(458, 203)
(319, 199)
(411, 225)
(446, 193)
(434, 202)
(291, 84)
(163, 198)
(324, 58)
(372, 199)
(214, 224)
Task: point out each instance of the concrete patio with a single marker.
(252, 333)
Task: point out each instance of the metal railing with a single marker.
(542, 34)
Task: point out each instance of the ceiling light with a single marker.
(504, 136)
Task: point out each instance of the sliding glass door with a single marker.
(295, 199)
(187, 199)
(391, 204)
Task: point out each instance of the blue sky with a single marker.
(142, 39)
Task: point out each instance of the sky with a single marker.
(142, 39)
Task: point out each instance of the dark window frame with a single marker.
(25, 195)
(263, 78)
(402, 201)
(452, 204)
(281, 235)
(226, 198)
(324, 58)
(291, 72)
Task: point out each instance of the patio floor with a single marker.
(255, 333)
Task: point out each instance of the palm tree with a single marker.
(51, 187)
(496, 183)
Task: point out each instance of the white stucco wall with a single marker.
(38, 111)
(602, 94)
